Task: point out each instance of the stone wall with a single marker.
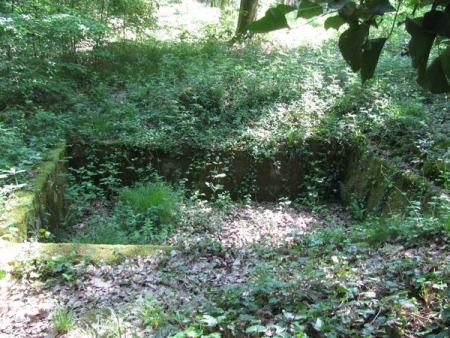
(378, 187)
(40, 205)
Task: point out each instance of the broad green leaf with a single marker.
(370, 57)
(342, 289)
(445, 61)
(437, 22)
(434, 79)
(318, 324)
(67, 276)
(209, 320)
(193, 332)
(308, 9)
(246, 317)
(285, 9)
(274, 19)
(379, 7)
(370, 294)
(179, 335)
(333, 22)
(363, 14)
(213, 335)
(336, 5)
(347, 13)
(351, 45)
(420, 3)
(419, 45)
(256, 328)
(445, 315)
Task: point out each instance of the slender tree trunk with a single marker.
(247, 14)
(10, 47)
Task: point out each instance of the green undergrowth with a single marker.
(339, 280)
(371, 277)
(204, 93)
(144, 214)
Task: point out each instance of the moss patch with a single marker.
(95, 315)
(13, 222)
(101, 252)
(110, 254)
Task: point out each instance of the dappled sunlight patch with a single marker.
(301, 34)
(192, 16)
(267, 224)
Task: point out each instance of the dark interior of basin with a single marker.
(314, 172)
(290, 172)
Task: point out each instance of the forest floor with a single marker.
(270, 261)
(222, 253)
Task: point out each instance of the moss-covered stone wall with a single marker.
(40, 207)
(317, 164)
(378, 187)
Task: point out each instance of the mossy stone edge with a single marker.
(108, 254)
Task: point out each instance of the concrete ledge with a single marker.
(11, 252)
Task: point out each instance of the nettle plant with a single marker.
(429, 30)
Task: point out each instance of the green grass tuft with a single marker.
(63, 320)
(157, 197)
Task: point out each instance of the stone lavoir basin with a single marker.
(328, 170)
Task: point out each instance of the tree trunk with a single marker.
(247, 14)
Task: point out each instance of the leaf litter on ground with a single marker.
(286, 268)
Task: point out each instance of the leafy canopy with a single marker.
(430, 34)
